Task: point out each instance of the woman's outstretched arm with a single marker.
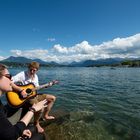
(36, 107)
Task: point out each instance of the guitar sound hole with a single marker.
(28, 91)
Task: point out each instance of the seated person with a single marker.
(30, 76)
(7, 130)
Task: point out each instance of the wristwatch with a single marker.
(32, 109)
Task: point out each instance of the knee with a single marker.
(53, 98)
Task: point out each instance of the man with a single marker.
(7, 130)
(30, 76)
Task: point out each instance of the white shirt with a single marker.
(23, 78)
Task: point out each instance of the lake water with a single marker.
(93, 103)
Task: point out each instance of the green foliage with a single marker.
(131, 63)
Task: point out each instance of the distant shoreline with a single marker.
(23, 62)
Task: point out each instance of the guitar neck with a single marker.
(42, 86)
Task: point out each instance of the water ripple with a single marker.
(113, 96)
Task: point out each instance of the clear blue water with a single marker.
(93, 103)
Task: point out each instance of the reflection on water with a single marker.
(93, 103)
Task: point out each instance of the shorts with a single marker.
(38, 98)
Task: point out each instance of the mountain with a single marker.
(22, 61)
(17, 60)
(76, 64)
(40, 61)
(99, 62)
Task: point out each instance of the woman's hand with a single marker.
(40, 105)
(27, 133)
(35, 107)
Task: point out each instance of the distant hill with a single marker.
(17, 59)
(23, 61)
(99, 62)
(40, 61)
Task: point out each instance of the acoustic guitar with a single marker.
(16, 100)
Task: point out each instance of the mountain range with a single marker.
(86, 63)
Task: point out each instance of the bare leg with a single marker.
(37, 116)
(51, 99)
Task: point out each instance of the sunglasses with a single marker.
(34, 70)
(9, 76)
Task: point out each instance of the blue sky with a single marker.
(69, 30)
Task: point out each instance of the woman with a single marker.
(7, 130)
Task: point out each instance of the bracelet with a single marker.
(32, 109)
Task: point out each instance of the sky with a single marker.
(70, 30)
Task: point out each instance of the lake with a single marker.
(93, 103)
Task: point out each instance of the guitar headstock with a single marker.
(55, 82)
(52, 83)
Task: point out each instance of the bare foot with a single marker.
(39, 128)
(49, 117)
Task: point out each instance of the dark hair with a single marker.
(2, 67)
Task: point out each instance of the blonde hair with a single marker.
(33, 64)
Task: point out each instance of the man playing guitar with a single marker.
(30, 76)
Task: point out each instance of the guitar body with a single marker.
(15, 99)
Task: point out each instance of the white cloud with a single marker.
(82, 48)
(51, 39)
(1, 58)
(59, 49)
(119, 47)
(38, 53)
